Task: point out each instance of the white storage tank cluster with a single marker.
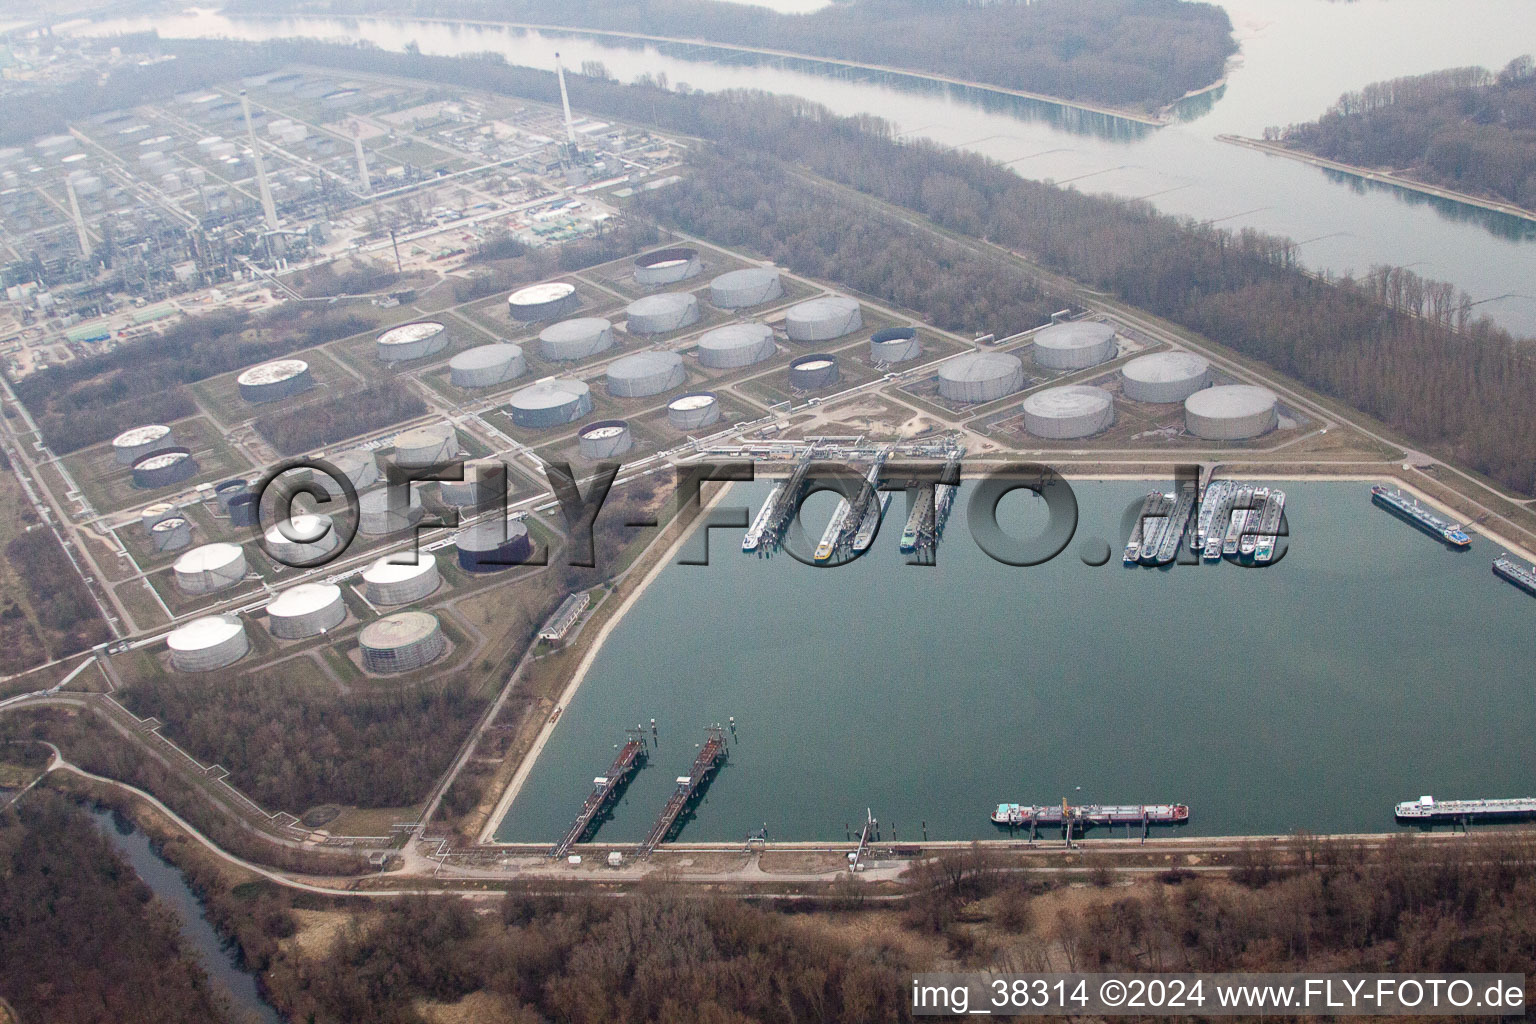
(164, 468)
(894, 345)
(486, 366)
(1075, 345)
(1069, 412)
(581, 338)
(750, 287)
(542, 302)
(171, 534)
(813, 372)
(269, 382)
(666, 266)
(605, 439)
(736, 345)
(426, 446)
(208, 643)
(132, 445)
(308, 609)
(823, 319)
(981, 377)
(376, 518)
(386, 582)
(645, 373)
(550, 403)
(1231, 412)
(401, 642)
(662, 314)
(410, 342)
(1163, 378)
(209, 569)
(302, 540)
(693, 411)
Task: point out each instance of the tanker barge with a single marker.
(1518, 573)
(1426, 810)
(1409, 510)
(1089, 815)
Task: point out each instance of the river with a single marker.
(1296, 59)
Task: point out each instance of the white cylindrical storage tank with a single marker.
(1231, 412)
(209, 569)
(813, 372)
(981, 377)
(483, 483)
(645, 373)
(736, 345)
(357, 465)
(550, 403)
(164, 468)
(171, 534)
(581, 338)
(823, 319)
(132, 445)
(375, 518)
(1069, 412)
(308, 609)
(269, 382)
(302, 540)
(1165, 377)
(158, 512)
(386, 582)
(542, 302)
(207, 143)
(426, 446)
(605, 439)
(205, 644)
(694, 411)
(486, 366)
(750, 287)
(411, 341)
(662, 314)
(402, 642)
(666, 266)
(170, 182)
(894, 345)
(1074, 345)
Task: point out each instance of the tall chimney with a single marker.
(74, 209)
(268, 210)
(565, 101)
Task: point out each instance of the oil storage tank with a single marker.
(171, 534)
(164, 468)
(357, 465)
(483, 484)
(736, 345)
(645, 373)
(486, 366)
(666, 266)
(426, 446)
(823, 319)
(813, 372)
(302, 540)
(1074, 345)
(401, 642)
(981, 377)
(227, 491)
(662, 314)
(894, 345)
(308, 609)
(208, 643)
(1231, 412)
(749, 287)
(410, 342)
(1069, 412)
(269, 382)
(694, 411)
(387, 582)
(1163, 378)
(209, 569)
(158, 512)
(132, 445)
(581, 338)
(605, 439)
(542, 302)
(376, 518)
(550, 403)
(492, 546)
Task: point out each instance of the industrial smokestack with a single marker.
(565, 101)
(74, 210)
(268, 210)
(362, 159)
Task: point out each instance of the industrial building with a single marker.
(171, 534)
(980, 377)
(1231, 412)
(302, 540)
(164, 468)
(571, 340)
(693, 411)
(813, 372)
(550, 403)
(132, 445)
(376, 518)
(1074, 345)
(209, 569)
(750, 287)
(426, 446)
(605, 439)
(209, 643)
(492, 546)
(895, 345)
(486, 366)
(823, 319)
(308, 609)
(666, 266)
(662, 314)
(1069, 412)
(1163, 378)
(401, 642)
(409, 342)
(645, 373)
(543, 302)
(736, 345)
(386, 582)
(270, 382)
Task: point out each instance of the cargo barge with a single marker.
(1088, 815)
(1409, 510)
(1426, 810)
(1518, 573)
(753, 538)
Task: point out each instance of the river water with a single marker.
(1297, 57)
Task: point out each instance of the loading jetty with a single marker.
(690, 788)
(605, 789)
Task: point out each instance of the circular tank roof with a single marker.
(599, 432)
(271, 373)
(1073, 400)
(161, 460)
(140, 435)
(208, 557)
(549, 394)
(690, 402)
(304, 599)
(398, 630)
(384, 571)
(1230, 401)
(980, 366)
(407, 333)
(577, 329)
(538, 294)
(423, 437)
(812, 363)
(645, 364)
(201, 634)
(747, 277)
(735, 336)
(306, 529)
(666, 257)
(167, 525)
(485, 356)
(828, 307)
(489, 536)
(1165, 367)
(1075, 334)
(666, 302)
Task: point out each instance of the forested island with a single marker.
(1134, 54)
(1466, 129)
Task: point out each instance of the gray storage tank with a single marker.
(1163, 378)
(493, 546)
(645, 373)
(209, 569)
(212, 642)
(306, 610)
(271, 382)
(813, 372)
(662, 314)
(736, 345)
(1231, 412)
(164, 468)
(572, 340)
(666, 266)
(426, 446)
(981, 377)
(387, 582)
(376, 518)
(752, 286)
(171, 534)
(486, 366)
(401, 643)
(303, 540)
(694, 411)
(605, 439)
(1069, 412)
(823, 319)
(1074, 345)
(410, 342)
(132, 445)
(548, 301)
(550, 403)
(894, 345)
